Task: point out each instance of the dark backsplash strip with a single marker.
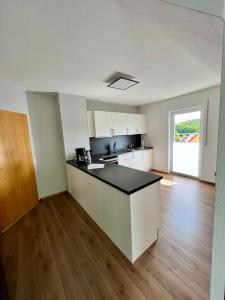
(105, 145)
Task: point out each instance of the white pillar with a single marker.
(218, 258)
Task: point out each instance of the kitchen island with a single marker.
(124, 202)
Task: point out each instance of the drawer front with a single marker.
(126, 156)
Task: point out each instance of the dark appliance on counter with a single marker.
(81, 156)
(110, 158)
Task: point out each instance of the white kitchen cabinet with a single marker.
(126, 156)
(91, 123)
(141, 124)
(119, 123)
(140, 160)
(147, 160)
(137, 124)
(103, 124)
(130, 221)
(132, 124)
(126, 160)
(108, 124)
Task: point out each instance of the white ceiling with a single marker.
(73, 46)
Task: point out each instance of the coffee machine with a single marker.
(81, 156)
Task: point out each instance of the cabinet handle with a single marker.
(127, 131)
(137, 130)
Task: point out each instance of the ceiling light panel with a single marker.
(122, 83)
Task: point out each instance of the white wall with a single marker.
(214, 7)
(218, 254)
(158, 123)
(113, 107)
(74, 123)
(14, 99)
(48, 143)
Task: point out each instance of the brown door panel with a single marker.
(18, 191)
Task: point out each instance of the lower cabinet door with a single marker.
(147, 160)
(126, 160)
(132, 160)
(139, 160)
(127, 163)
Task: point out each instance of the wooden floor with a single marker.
(57, 252)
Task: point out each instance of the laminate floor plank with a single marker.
(116, 277)
(74, 256)
(58, 252)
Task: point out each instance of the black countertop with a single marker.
(125, 179)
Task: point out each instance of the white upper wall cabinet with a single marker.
(119, 123)
(107, 124)
(132, 124)
(103, 124)
(137, 124)
(141, 124)
(91, 123)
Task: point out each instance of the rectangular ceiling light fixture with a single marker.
(122, 83)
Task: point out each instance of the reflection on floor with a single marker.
(57, 252)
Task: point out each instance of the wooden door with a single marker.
(18, 191)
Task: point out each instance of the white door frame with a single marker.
(171, 137)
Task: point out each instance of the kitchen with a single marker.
(132, 196)
(123, 131)
(91, 110)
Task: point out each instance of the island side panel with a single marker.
(145, 218)
(107, 206)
